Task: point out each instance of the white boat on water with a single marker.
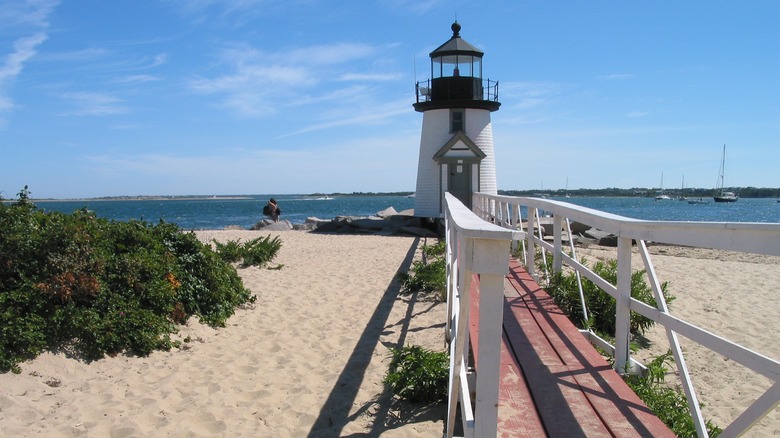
(723, 196)
(682, 190)
(661, 196)
(698, 201)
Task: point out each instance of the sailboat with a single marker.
(723, 196)
(661, 195)
(682, 190)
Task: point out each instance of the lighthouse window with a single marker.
(457, 121)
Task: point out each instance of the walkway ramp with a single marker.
(553, 381)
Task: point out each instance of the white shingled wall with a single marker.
(480, 131)
(435, 133)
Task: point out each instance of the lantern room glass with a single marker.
(456, 65)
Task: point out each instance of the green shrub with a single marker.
(601, 306)
(418, 375)
(230, 251)
(428, 274)
(256, 252)
(97, 287)
(669, 404)
(260, 251)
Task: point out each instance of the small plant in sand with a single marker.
(418, 375)
(669, 404)
(428, 274)
(94, 287)
(256, 252)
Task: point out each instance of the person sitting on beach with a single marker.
(272, 210)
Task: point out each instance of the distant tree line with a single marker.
(371, 194)
(638, 192)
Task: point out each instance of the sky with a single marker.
(201, 97)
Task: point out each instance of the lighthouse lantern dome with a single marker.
(456, 78)
(456, 58)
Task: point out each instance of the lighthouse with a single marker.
(456, 144)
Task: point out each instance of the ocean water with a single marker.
(205, 213)
(217, 213)
(744, 210)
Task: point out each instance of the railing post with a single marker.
(622, 308)
(557, 235)
(490, 259)
(529, 243)
(452, 266)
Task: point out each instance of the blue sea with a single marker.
(216, 213)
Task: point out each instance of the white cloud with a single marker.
(328, 54)
(260, 82)
(526, 96)
(137, 79)
(377, 115)
(94, 104)
(371, 77)
(615, 77)
(232, 13)
(24, 49)
(25, 15)
(157, 61)
(415, 7)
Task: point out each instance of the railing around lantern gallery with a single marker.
(454, 88)
(520, 216)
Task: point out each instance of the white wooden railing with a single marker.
(756, 238)
(474, 247)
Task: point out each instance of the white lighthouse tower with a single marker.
(456, 145)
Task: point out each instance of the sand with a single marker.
(734, 295)
(307, 359)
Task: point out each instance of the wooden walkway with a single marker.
(553, 381)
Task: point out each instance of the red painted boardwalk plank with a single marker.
(563, 407)
(532, 318)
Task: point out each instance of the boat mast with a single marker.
(722, 170)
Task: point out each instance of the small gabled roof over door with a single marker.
(460, 147)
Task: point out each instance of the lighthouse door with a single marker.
(459, 182)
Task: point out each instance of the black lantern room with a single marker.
(456, 78)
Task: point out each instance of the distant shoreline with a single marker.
(146, 198)
(208, 197)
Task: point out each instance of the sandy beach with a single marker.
(308, 358)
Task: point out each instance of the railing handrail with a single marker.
(751, 237)
(474, 247)
(489, 90)
(755, 238)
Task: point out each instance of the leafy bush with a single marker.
(601, 306)
(428, 274)
(100, 287)
(230, 251)
(256, 252)
(418, 375)
(260, 251)
(669, 404)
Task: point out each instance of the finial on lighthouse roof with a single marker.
(455, 29)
